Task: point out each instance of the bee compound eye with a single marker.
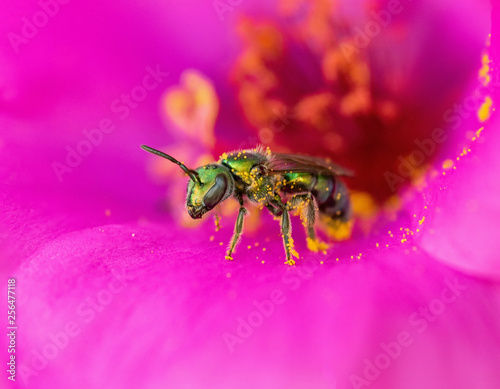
(216, 193)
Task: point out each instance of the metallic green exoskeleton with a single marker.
(280, 182)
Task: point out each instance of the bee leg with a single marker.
(217, 222)
(307, 210)
(238, 229)
(286, 231)
(275, 211)
(277, 208)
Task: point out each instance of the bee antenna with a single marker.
(191, 173)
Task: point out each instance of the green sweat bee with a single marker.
(280, 182)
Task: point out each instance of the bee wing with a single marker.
(280, 163)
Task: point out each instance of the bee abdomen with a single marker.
(332, 197)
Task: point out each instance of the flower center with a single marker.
(307, 85)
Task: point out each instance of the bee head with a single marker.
(209, 185)
(213, 185)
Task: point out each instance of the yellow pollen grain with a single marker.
(221, 243)
(376, 245)
(484, 111)
(321, 262)
(448, 164)
(263, 261)
(263, 249)
(256, 244)
(421, 221)
(212, 238)
(484, 76)
(336, 259)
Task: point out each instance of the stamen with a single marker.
(192, 107)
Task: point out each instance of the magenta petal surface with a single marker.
(462, 224)
(112, 297)
(461, 227)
